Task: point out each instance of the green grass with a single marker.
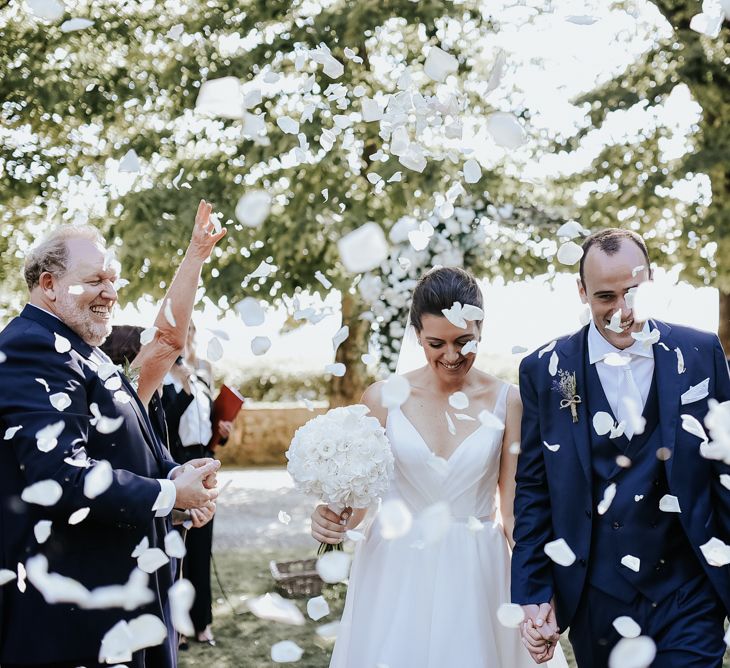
(244, 641)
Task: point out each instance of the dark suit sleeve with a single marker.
(721, 495)
(129, 498)
(532, 580)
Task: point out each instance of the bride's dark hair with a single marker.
(439, 289)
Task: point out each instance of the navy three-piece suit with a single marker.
(664, 583)
(98, 550)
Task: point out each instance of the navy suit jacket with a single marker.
(554, 496)
(97, 551)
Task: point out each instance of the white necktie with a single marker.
(630, 403)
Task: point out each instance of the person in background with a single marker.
(188, 403)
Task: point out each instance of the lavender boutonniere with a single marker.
(565, 384)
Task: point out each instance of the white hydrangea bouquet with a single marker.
(343, 457)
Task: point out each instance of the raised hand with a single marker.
(204, 237)
(328, 526)
(189, 487)
(211, 480)
(201, 516)
(539, 631)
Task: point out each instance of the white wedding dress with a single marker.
(429, 599)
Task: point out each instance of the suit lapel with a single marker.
(572, 355)
(668, 388)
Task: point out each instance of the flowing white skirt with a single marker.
(431, 607)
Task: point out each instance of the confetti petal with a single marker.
(553, 448)
(147, 335)
(569, 253)
(510, 615)
(286, 651)
(459, 401)
(48, 10)
(627, 627)
(214, 351)
(439, 64)
(490, 420)
(317, 608)
(60, 401)
(631, 562)
(73, 25)
(253, 208)
(337, 369)
(152, 559)
(275, 608)
(47, 438)
(334, 566)
(79, 515)
(61, 343)
(553, 365)
(632, 653)
(181, 596)
(251, 312)
(395, 391)
(363, 249)
(505, 130)
(260, 345)
(42, 493)
(608, 497)
(98, 479)
(559, 551)
(6, 576)
(669, 504)
(472, 171)
(395, 519)
(11, 431)
(603, 423)
(42, 530)
(716, 552)
(469, 348)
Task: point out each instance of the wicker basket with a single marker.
(296, 579)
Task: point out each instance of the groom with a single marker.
(606, 467)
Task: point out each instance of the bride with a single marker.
(429, 598)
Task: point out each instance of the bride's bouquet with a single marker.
(343, 457)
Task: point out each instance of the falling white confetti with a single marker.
(103, 424)
(469, 348)
(253, 208)
(395, 519)
(323, 280)
(571, 230)
(288, 125)
(554, 361)
(472, 171)
(147, 335)
(60, 401)
(42, 530)
(559, 551)
(548, 348)
(505, 130)
(439, 64)
(490, 420)
(181, 596)
(608, 496)
(363, 249)
(152, 559)
(421, 237)
(6, 576)
(42, 493)
(553, 448)
(98, 479)
(716, 552)
(510, 615)
(632, 653)
(47, 438)
(214, 351)
(614, 324)
(680, 361)
(62, 344)
(76, 24)
(251, 312)
(626, 627)
(43, 382)
(395, 391)
(337, 369)
(669, 504)
(334, 566)
(260, 345)
(275, 608)
(631, 562)
(284, 517)
(174, 545)
(602, 423)
(354, 536)
(79, 515)
(569, 253)
(317, 608)
(286, 651)
(47, 10)
(459, 401)
(339, 338)
(11, 431)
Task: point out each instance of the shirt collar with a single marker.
(599, 347)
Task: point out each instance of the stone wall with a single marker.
(262, 433)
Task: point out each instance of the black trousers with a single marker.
(196, 568)
(687, 626)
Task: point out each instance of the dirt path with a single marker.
(248, 510)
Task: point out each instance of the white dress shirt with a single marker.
(641, 363)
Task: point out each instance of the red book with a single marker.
(225, 407)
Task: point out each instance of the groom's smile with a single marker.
(606, 279)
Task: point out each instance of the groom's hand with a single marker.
(539, 631)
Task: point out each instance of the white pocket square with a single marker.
(696, 392)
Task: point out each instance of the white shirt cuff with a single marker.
(165, 500)
(170, 475)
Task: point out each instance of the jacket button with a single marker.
(616, 525)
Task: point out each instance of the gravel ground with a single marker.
(247, 516)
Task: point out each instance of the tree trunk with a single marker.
(724, 330)
(348, 389)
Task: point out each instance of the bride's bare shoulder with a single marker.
(372, 398)
(487, 384)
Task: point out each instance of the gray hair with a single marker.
(51, 253)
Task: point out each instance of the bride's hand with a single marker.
(327, 526)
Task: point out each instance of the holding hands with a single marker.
(539, 631)
(196, 489)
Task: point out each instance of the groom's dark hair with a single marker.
(609, 241)
(439, 289)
